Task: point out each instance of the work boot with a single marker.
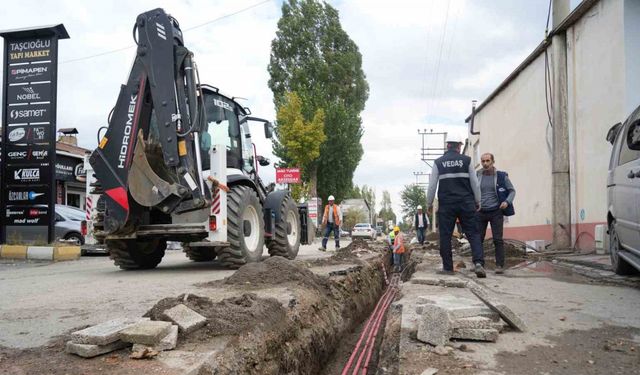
(499, 270)
(480, 272)
(445, 272)
(337, 246)
(322, 248)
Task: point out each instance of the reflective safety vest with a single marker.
(392, 237)
(336, 217)
(398, 241)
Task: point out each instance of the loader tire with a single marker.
(134, 254)
(245, 230)
(286, 239)
(199, 254)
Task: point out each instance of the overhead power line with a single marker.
(187, 29)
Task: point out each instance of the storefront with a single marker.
(70, 179)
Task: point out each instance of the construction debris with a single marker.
(90, 350)
(185, 318)
(146, 332)
(169, 342)
(104, 333)
(505, 312)
(435, 325)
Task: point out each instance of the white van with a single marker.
(623, 195)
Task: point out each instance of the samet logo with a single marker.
(27, 174)
(17, 114)
(16, 134)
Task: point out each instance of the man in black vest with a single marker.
(421, 222)
(458, 197)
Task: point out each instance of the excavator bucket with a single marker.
(147, 187)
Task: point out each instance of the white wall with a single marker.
(632, 52)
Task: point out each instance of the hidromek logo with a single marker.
(122, 158)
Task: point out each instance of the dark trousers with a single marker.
(420, 234)
(466, 213)
(336, 234)
(496, 219)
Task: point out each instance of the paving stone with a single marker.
(146, 332)
(88, 350)
(169, 342)
(185, 318)
(468, 312)
(425, 281)
(103, 333)
(475, 334)
(476, 322)
(434, 326)
(505, 312)
(430, 371)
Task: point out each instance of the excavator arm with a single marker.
(149, 157)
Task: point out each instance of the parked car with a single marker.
(623, 195)
(69, 224)
(344, 233)
(363, 230)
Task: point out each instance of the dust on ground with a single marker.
(355, 252)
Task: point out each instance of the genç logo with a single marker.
(16, 134)
(17, 155)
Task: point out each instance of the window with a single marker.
(630, 147)
(222, 127)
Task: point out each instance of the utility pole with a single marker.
(561, 203)
(429, 153)
(418, 175)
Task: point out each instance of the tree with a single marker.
(386, 212)
(313, 56)
(369, 195)
(353, 216)
(300, 140)
(412, 196)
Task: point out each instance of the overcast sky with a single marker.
(424, 60)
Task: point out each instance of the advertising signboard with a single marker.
(28, 154)
(288, 175)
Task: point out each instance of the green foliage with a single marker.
(353, 216)
(313, 56)
(412, 196)
(386, 212)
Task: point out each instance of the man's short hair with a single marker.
(490, 154)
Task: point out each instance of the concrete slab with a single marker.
(505, 312)
(185, 318)
(13, 252)
(187, 362)
(450, 282)
(169, 342)
(146, 332)
(61, 253)
(434, 326)
(476, 322)
(475, 334)
(103, 333)
(89, 351)
(40, 252)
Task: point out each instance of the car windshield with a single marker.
(71, 213)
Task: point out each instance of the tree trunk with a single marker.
(313, 183)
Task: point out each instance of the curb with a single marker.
(50, 253)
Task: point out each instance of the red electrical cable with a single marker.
(375, 334)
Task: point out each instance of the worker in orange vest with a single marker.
(331, 221)
(398, 249)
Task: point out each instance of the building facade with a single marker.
(513, 123)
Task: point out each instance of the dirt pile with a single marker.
(511, 249)
(277, 271)
(231, 316)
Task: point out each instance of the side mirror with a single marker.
(263, 161)
(268, 130)
(613, 132)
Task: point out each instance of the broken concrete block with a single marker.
(169, 342)
(146, 332)
(442, 350)
(505, 312)
(434, 327)
(454, 283)
(475, 334)
(425, 281)
(89, 351)
(103, 333)
(468, 312)
(185, 318)
(475, 322)
(430, 371)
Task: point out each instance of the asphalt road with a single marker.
(39, 301)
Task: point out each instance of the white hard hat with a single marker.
(331, 198)
(454, 138)
(419, 207)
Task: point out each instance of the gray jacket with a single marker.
(507, 182)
